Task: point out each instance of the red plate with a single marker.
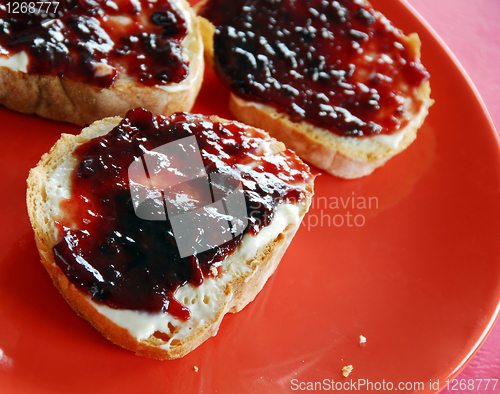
(407, 257)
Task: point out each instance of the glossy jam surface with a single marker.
(93, 41)
(129, 263)
(339, 65)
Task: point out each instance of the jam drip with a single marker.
(319, 61)
(126, 262)
(93, 41)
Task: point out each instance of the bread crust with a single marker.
(62, 99)
(337, 155)
(238, 292)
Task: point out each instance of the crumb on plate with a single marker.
(347, 370)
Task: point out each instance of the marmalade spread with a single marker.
(338, 65)
(94, 41)
(127, 262)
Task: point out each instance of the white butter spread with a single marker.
(120, 19)
(390, 140)
(17, 62)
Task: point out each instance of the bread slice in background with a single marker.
(343, 156)
(63, 99)
(243, 274)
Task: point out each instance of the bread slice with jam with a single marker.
(334, 80)
(124, 271)
(81, 61)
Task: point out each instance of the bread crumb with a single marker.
(362, 339)
(214, 271)
(346, 370)
(195, 368)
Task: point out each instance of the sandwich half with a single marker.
(334, 80)
(152, 248)
(81, 61)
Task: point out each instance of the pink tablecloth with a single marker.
(471, 29)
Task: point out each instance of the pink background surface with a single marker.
(472, 31)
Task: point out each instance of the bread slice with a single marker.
(233, 285)
(340, 155)
(63, 99)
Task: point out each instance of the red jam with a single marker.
(126, 262)
(317, 61)
(76, 37)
